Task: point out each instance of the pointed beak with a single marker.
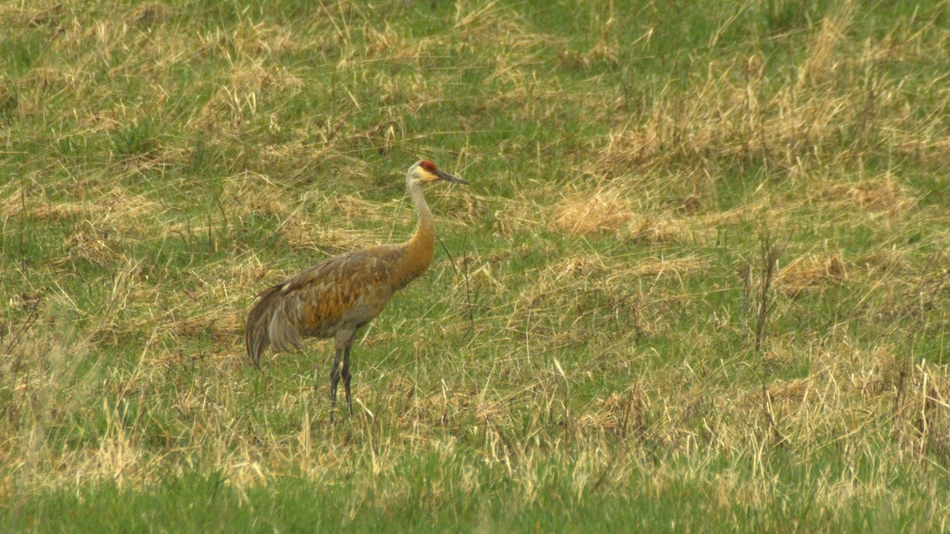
(448, 177)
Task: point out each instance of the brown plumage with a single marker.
(337, 296)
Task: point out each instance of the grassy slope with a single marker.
(588, 354)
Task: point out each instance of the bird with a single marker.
(337, 296)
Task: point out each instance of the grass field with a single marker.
(699, 282)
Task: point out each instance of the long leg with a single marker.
(346, 378)
(335, 380)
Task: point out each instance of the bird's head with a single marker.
(424, 172)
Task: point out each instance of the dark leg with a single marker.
(346, 378)
(334, 381)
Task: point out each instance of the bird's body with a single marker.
(337, 296)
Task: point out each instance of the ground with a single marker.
(699, 281)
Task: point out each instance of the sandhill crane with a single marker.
(337, 296)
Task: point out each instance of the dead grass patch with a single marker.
(721, 120)
(339, 232)
(750, 211)
(936, 151)
(223, 324)
(610, 209)
(492, 24)
(302, 232)
(150, 13)
(577, 266)
(821, 59)
(737, 113)
(91, 244)
(581, 215)
(810, 272)
(611, 276)
(237, 101)
(675, 266)
(658, 229)
(115, 204)
(523, 213)
(876, 195)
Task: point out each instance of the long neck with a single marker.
(417, 252)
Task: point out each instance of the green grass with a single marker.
(410, 501)
(585, 356)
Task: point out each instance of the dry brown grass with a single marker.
(247, 88)
(883, 195)
(738, 112)
(812, 272)
(617, 211)
(603, 210)
(597, 325)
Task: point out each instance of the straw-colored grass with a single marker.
(699, 278)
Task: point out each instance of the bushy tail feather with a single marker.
(268, 324)
(257, 327)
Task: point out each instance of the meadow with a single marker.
(699, 281)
